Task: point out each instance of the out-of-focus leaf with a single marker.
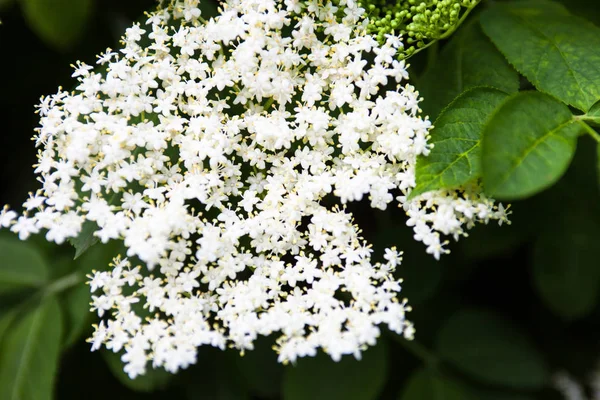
(21, 266)
(565, 266)
(86, 238)
(491, 349)
(60, 23)
(428, 385)
(320, 378)
(29, 354)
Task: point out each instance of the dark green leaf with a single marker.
(558, 53)
(427, 385)
(455, 157)
(86, 238)
(60, 22)
(469, 60)
(29, 354)
(491, 349)
(320, 378)
(565, 265)
(21, 266)
(527, 145)
(152, 380)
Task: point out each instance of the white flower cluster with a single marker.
(217, 151)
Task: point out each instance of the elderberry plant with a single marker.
(237, 179)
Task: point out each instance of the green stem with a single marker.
(62, 284)
(589, 130)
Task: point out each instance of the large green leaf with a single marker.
(58, 22)
(21, 266)
(320, 378)
(559, 53)
(527, 145)
(456, 137)
(428, 385)
(565, 267)
(468, 60)
(29, 354)
(492, 350)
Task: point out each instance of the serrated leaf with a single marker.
(558, 53)
(21, 266)
(426, 384)
(565, 264)
(467, 61)
(491, 349)
(29, 354)
(60, 23)
(527, 145)
(456, 136)
(320, 378)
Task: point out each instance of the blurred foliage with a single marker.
(494, 318)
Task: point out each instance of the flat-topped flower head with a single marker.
(214, 150)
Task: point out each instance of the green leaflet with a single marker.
(559, 53)
(565, 266)
(468, 60)
(86, 238)
(492, 350)
(320, 378)
(455, 157)
(527, 145)
(21, 266)
(29, 354)
(60, 23)
(425, 384)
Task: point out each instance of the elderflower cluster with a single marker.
(221, 153)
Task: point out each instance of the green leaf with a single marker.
(456, 137)
(558, 53)
(467, 61)
(153, 380)
(492, 350)
(426, 384)
(60, 23)
(29, 354)
(527, 145)
(320, 378)
(22, 266)
(86, 238)
(565, 263)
